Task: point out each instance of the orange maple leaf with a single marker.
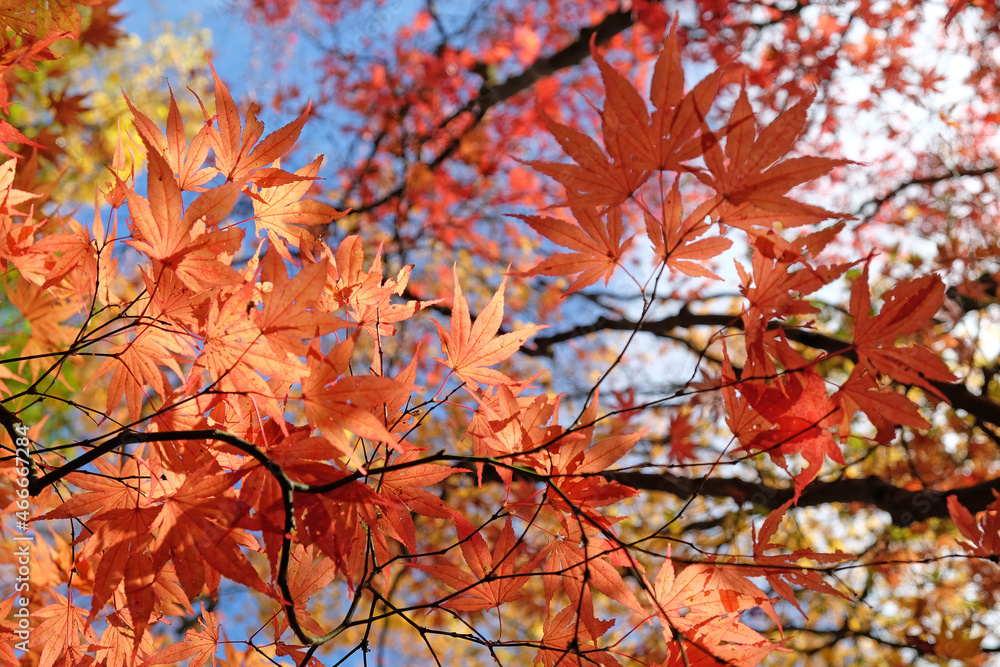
(751, 185)
(674, 238)
(780, 570)
(984, 536)
(491, 580)
(471, 347)
(569, 639)
(336, 402)
(599, 248)
(194, 530)
(237, 153)
(198, 645)
(665, 140)
(365, 294)
(166, 231)
(593, 180)
(282, 214)
(704, 603)
(63, 626)
(289, 315)
(885, 408)
(184, 161)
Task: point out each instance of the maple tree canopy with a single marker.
(606, 334)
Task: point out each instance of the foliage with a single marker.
(673, 409)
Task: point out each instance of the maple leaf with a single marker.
(885, 408)
(165, 231)
(364, 293)
(470, 348)
(198, 646)
(408, 484)
(11, 135)
(781, 570)
(704, 604)
(62, 627)
(11, 197)
(577, 454)
(681, 446)
(906, 308)
(289, 315)
(67, 109)
(99, 491)
(236, 356)
(570, 639)
(282, 214)
(134, 365)
(678, 119)
(8, 632)
(17, 246)
(194, 529)
(308, 574)
(491, 579)
(578, 461)
(103, 28)
(76, 253)
(119, 538)
(507, 423)
(186, 162)
(800, 411)
(573, 561)
(336, 402)
(119, 639)
(593, 180)
(599, 249)
(774, 289)
(625, 118)
(751, 186)
(674, 239)
(124, 535)
(238, 153)
(44, 313)
(670, 136)
(984, 536)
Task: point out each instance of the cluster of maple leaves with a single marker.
(260, 417)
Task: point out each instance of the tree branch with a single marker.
(981, 407)
(490, 94)
(904, 506)
(875, 204)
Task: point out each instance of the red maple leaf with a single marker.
(800, 412)
(906, 308)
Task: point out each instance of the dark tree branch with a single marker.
(868, 210)
(904, 506)
(541, 346)
(489, 94)
(980, 407)
(568, 56)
